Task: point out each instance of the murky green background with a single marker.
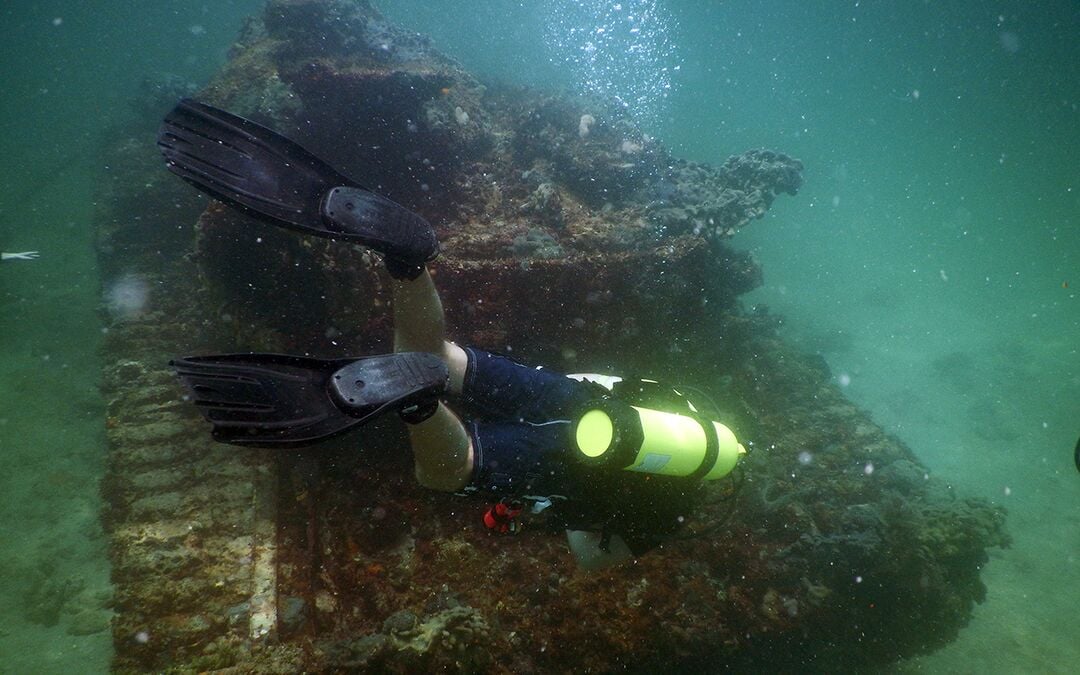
(932, 257)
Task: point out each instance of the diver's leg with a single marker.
(441, 447)
(419, 325)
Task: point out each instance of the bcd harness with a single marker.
(632, 426)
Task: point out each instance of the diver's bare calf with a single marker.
(441, 447)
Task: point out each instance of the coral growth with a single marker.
(569, 238)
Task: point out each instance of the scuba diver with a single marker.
(599, 455)
(25, 255)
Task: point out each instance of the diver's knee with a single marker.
(457, 361)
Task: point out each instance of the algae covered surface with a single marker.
(854, 252)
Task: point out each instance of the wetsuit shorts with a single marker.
(519, 420)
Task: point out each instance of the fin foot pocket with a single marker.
(399, 380)
(273, 400)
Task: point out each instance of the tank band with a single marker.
(712, 446)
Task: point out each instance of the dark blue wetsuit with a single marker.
(519, 420)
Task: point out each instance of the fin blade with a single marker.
(264, 400)
(248, 166)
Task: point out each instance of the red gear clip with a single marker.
(501, 518)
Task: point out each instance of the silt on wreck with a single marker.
(577, 246)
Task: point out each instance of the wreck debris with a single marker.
(567, 248)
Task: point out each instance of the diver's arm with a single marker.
(25, 255)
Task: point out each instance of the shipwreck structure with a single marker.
(569, 239)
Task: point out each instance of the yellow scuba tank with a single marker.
(614, 433)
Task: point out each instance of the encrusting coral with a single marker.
(571, 239)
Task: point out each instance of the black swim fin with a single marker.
(274, 400)
(266, 175)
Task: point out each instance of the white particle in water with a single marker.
(126, 298)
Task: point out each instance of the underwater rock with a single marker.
(535, 244)
(467, 158)
(714, 204)
(611, 162)
(403, 622)
(545, 205)
(446, 641)
(292, 612)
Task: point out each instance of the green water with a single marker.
(68, 72)
(932, 257)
